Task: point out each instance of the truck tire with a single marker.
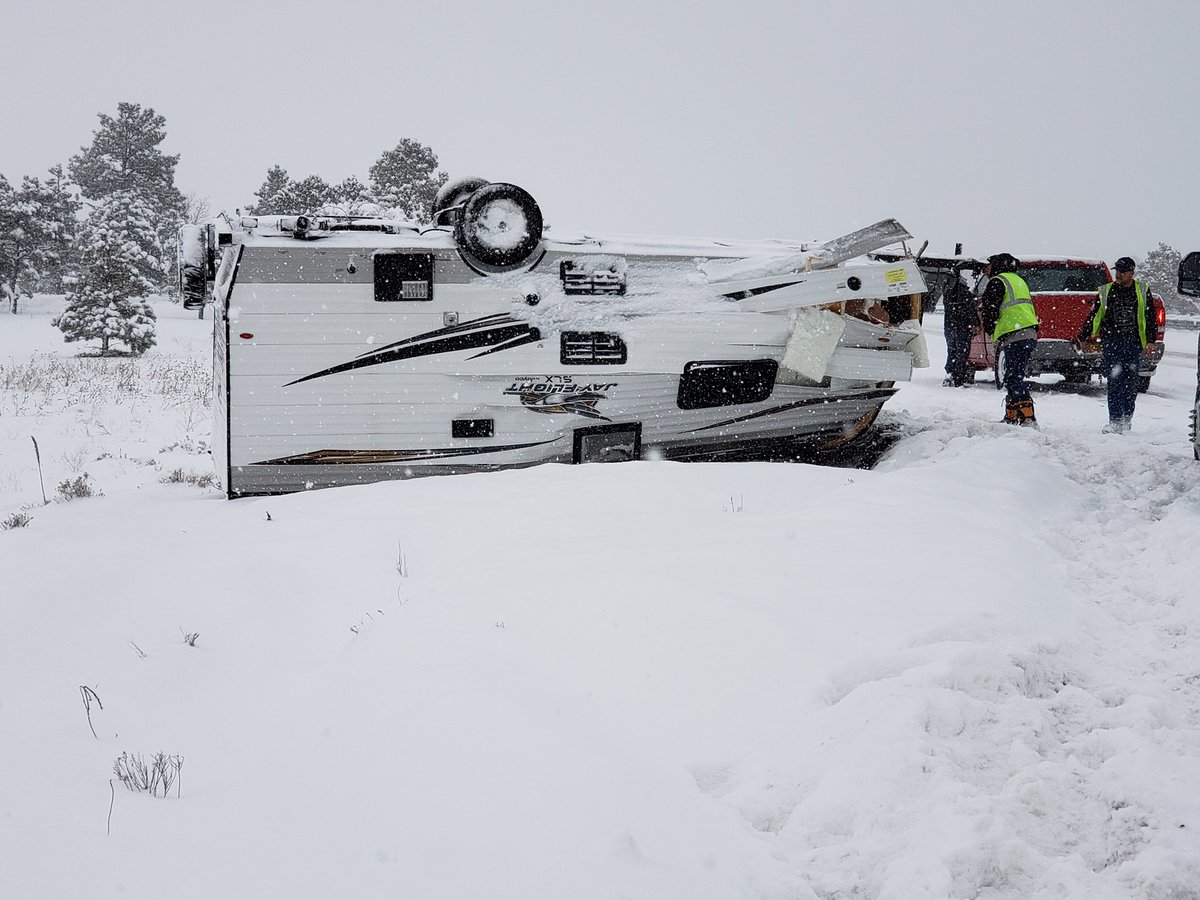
(454, 194)
(1143, 383)
(500, 225)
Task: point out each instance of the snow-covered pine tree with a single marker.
(25, 240)
(108, 303)
(350, 198)
(305, 196)
(269, 194)
(351, 191)
(1161, 271)
(124, 157)
(405, 178)
(58, 209)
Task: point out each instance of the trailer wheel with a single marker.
(500, 225)
(454, 194)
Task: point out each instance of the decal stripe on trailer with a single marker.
(498, 332)
(882, 393)
(353, 457)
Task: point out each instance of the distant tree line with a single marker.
(103, 229)
(402, 183)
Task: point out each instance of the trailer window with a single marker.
(403, 277)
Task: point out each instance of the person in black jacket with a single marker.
(961, 321)
(1121, 317)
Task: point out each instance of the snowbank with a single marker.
(970, 672)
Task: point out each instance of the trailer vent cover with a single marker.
(592, 348)
(593, 276)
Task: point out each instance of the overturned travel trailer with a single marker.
(352, 350)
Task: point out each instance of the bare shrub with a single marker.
(190, 637)
(73, 489)
(47, 383)
(15, 520)
(199, 479)
(159, 775)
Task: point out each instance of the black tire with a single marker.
(453, 194)
(1143, 383)
(500, 225)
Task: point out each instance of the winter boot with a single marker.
(1012, 413)
(1025, 411)
(1113, 427)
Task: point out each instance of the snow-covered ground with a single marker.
(972, 672)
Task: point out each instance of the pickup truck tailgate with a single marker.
(1061, 314)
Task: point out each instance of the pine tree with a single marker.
(1161, 272)
(58, 209)
(124, 157)
(25, 240)
(405, 178)
(351, 190)
(305, 196)
(107, 303)
(270, 193)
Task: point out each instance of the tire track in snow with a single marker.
(986, 765)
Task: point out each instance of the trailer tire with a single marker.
(500, 225)
(454, 194)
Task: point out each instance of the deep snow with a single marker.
(973, 671)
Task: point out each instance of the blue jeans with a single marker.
(1122, 359)
(1014, 362)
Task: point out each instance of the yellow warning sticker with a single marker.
(895, 276)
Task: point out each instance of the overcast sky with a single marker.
(1062, 126)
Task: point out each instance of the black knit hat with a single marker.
(1002, 262)
(1125, 264)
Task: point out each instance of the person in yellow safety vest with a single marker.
(1118, 321)
(1009, 317)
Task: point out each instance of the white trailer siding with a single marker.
(322, 384)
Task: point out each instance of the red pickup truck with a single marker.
(1063, 289)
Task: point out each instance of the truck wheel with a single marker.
(1143, 383)
(500, 225)
(452, 194)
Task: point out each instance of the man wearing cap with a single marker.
(1118, 320)
(1009, 316)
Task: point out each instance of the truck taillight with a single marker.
(1160, 317)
